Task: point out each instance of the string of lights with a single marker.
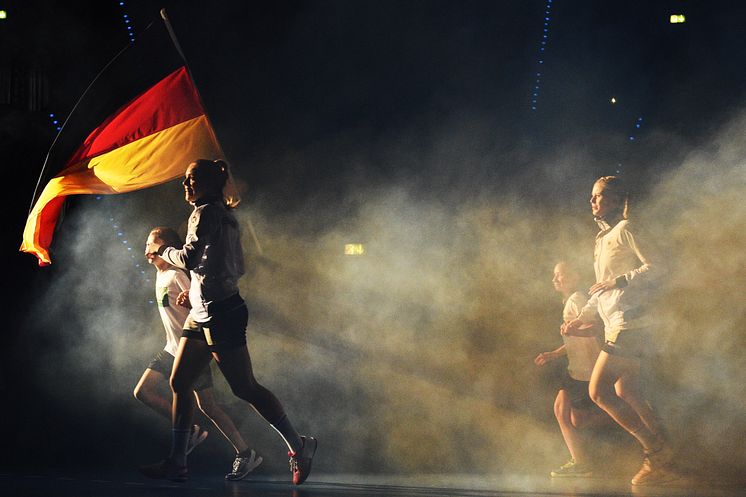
(540, 61)
(127, 22)
(638, 125)
(119, 231)
(631, 138)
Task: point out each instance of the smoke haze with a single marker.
(423, 345)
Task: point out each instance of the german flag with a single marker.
(146, 142)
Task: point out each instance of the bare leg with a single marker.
(609, 370)
(192, 357)
(572, 436)
(221, 420)
(147, 392)
(628, 388)
(235, 364)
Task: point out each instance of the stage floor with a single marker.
(130, 484)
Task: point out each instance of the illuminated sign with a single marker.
(354, 249)
(678, 18)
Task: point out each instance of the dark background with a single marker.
(310, 97)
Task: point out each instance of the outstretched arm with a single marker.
(547, 357)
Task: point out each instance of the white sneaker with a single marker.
(242, 466)
(197, 436)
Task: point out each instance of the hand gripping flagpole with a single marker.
(230, 191)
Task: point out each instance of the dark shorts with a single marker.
(629, 343)
(163, 362)
(226, 328)
(577, 391)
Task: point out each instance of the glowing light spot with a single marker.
(354, 249)
(613, 100)
(677, 19)
(3, 14)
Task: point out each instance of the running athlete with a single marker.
(621, 296)
(216, 326)
(171, 285)
(573, 407)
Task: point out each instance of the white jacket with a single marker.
(619, 252)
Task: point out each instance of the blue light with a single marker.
(51, 115)
(542, 48)
(631, 138)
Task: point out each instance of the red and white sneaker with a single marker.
(300, 463)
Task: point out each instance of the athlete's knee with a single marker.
(179, 384)
(601, 395)
(249, 391)
(139, 393)
(560, 405)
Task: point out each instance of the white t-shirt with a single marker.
(582, 352)
(168, 285)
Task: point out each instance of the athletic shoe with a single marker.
(197, 436)
(572, 469)
(243, 465)
(300, 464)
(165, 470)
(656, 468)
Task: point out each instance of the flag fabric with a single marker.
(146, 142)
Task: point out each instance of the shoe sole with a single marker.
(670, 478)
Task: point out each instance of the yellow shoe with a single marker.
(572, 469)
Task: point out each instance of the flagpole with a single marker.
(69, 115)
(176, 43)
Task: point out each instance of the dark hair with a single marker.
(615, 186)
(168, 236)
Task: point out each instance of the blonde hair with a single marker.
(615, 187)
